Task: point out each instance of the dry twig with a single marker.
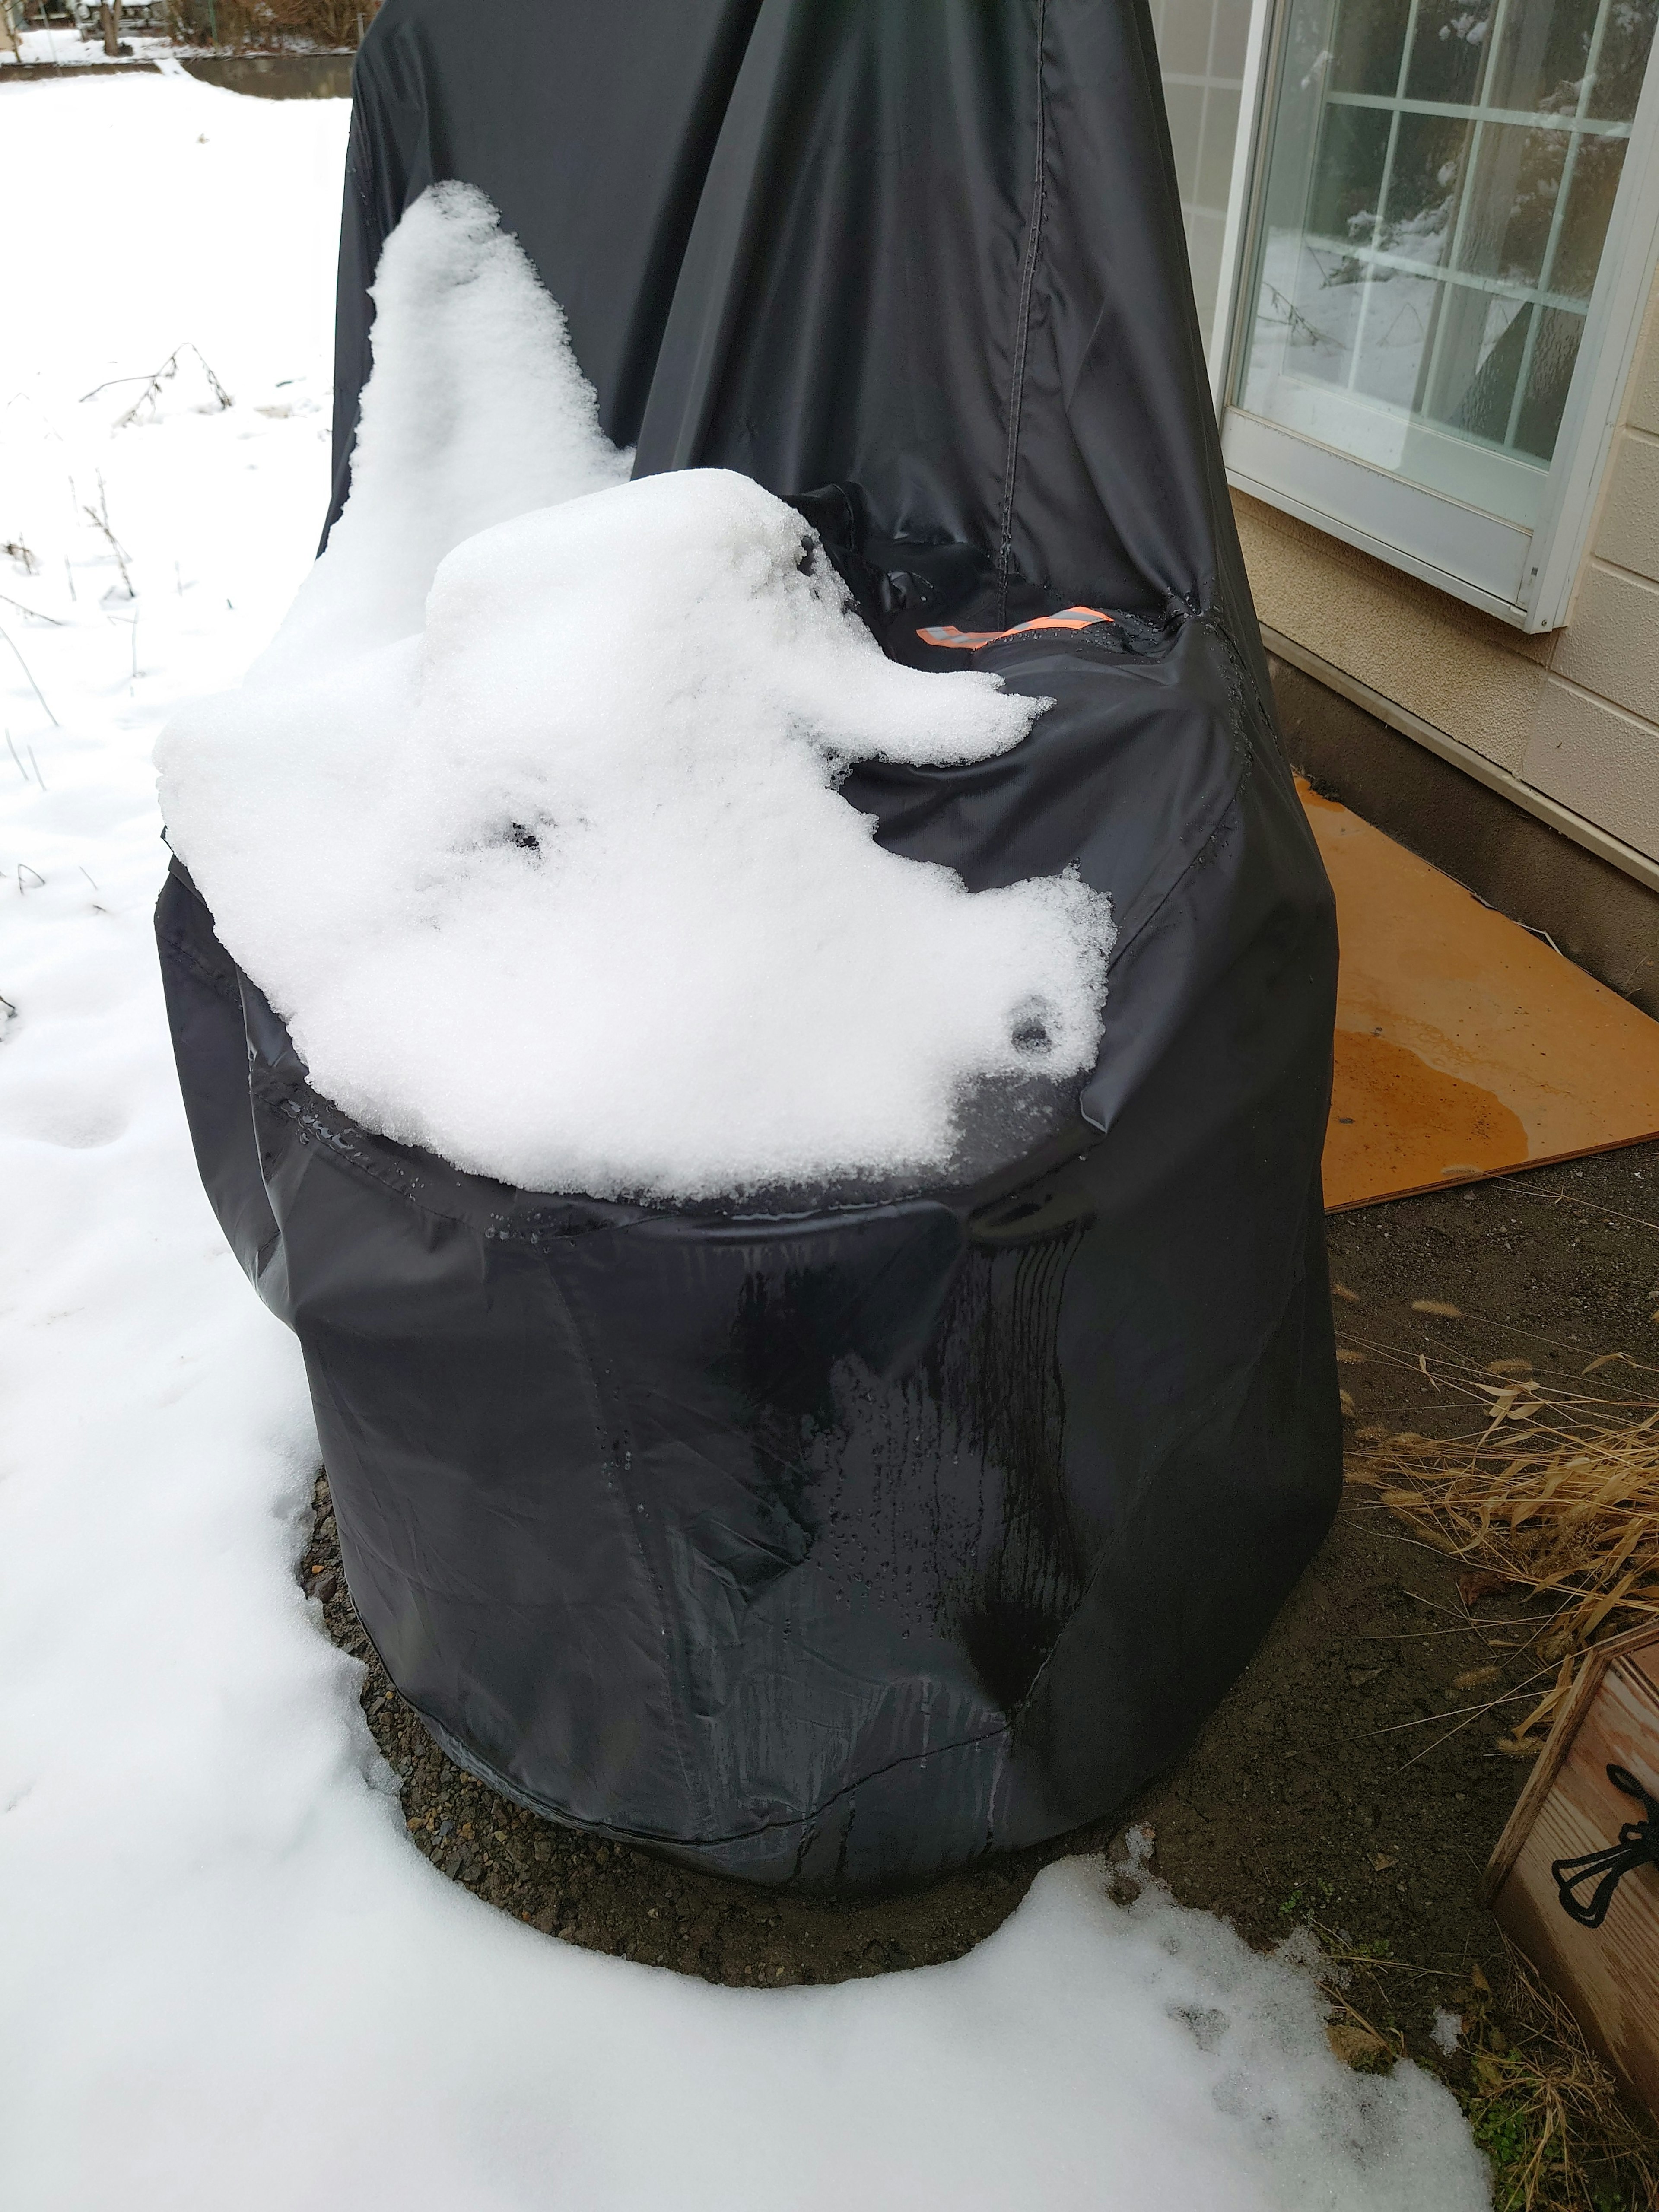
(6, 639)
(99, 518)
(150, 396)
(35, 614)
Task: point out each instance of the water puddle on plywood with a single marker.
(1398, 1124)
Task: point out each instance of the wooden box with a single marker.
(1609, 1976)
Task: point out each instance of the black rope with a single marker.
(1637, 1845)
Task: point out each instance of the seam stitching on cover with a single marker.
(1023, 329)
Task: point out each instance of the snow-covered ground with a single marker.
(228, 1979)
(60, 46)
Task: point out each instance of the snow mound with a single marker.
(561, 886)
(476, 412)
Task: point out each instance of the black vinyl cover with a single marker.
(843, 1546)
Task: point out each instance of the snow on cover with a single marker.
(230, 1978)
(530, 828)
(476, 412)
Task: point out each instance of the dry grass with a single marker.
(1550, 2117)
(269, 26)
(1550, 1491)
(1546, 2110)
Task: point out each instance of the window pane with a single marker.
(1515, 185)
(1201, 48)
(1183, 45)
(1365, 54)
(1426, 180)
(1477, 365)
(1543, 56)
(1215, 148)
(1184, 105)
(1449, 51)
(1440, 182)
(1550, 373)
(1622, 58)
(1232, 33)
(1346, 190)
(1596, 173)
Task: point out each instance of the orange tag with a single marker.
(970, 640)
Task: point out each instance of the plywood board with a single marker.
(1465, 1046)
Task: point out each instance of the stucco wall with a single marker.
(1574, 714)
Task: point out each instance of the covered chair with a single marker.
(844, 1539)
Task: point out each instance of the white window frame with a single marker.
(1523, 576)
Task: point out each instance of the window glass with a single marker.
(1441, 176)
(1200, 47)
